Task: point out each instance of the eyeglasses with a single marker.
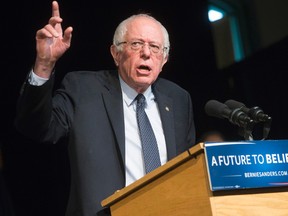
(137, 45)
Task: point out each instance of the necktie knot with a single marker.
(141, 101)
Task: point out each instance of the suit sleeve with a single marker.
(35, 113)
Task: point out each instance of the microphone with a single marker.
(256, 113)
(237, 116)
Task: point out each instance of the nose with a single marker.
(146, 50)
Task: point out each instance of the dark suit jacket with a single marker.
(88, 110)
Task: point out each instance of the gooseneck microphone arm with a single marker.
(255, 113)
(237, 116)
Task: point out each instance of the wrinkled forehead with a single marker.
(146, 29)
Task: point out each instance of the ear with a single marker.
(114, 52)
(165, 60)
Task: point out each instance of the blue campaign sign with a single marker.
(247, 164)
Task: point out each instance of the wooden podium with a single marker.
(181, 187)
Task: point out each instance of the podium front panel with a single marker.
(247, 164)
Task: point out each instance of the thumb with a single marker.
(67, 36)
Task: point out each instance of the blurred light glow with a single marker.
(214, 15)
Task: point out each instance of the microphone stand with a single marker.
(239, 118)
(258, 115)
(248, 130)
(266, 127)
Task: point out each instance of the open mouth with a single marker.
(144, 68)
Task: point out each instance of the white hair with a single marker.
(121, 31)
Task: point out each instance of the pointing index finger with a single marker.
(55, 9)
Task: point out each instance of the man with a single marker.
(96, 111)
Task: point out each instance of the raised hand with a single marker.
(51, 43)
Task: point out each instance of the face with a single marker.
(139, 69)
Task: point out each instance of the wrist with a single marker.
(43, 69)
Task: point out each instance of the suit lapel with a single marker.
(113, 101)
(165, 105)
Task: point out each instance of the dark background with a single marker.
(37, 175)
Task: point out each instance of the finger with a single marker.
(54, 32)
(43, 33)
(55, 20)
(55, 9)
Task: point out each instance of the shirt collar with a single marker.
(129, 93)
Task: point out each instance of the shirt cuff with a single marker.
(36, 80)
